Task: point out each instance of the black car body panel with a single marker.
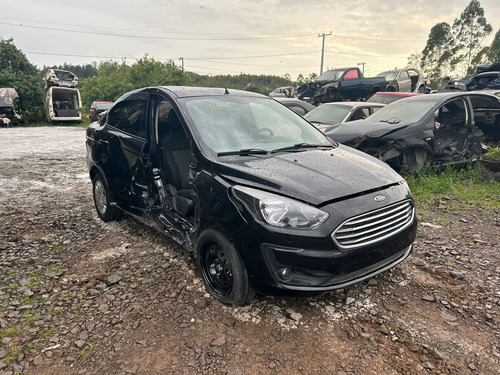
(447, 130)
(214, 187)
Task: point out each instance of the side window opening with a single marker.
(487, 118)
(129, 116)
(451, 130)
(360, 114)
(351, 74)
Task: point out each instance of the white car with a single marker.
(329, 114)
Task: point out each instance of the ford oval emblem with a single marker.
(379, 198)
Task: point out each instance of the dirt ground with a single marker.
(79, 296)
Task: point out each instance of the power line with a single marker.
(172, 58)
(156, 31)
(155, 37)
(366, 55)
(376, 38)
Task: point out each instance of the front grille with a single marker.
(374, 226)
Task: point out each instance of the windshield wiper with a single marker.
(299, 146)
(244, 152)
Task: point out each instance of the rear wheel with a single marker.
(222, 269)
(102, 200)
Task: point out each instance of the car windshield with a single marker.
(252, 125)
(389, 76)
(331, 75)
(329, 114)
(404, 111)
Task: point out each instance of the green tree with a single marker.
(469, 30)
(149, 72)
(414, 60)
(437, 54)
(494, 51)
(111, 82)
(17, 72)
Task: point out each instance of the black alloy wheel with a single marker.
(222, 269)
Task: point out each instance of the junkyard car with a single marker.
(9, 99)
(298, 106)
(404, 80)
(283, 92)
(331, 114)
(63, 102)
(388, 97)
(452, 85)
(265, 200)
(61, 78)
(443, 128)
(96, 108)
(341, 84)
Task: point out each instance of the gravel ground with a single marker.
(79, 296)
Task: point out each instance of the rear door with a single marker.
(404, 81)
(124, 157)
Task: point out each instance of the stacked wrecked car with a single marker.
(9, 102)
(63, 102)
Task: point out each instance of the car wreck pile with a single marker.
(487, 78)
(350, 84)
(62, 102)
(9, 100)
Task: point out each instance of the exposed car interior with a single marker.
(175, 154)
(451, 130)
(487, 119)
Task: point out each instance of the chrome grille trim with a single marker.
(374, 226)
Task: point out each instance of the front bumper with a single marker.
(319, 270)
(282, 263)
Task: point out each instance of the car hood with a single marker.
(315, 176)
(348, 132)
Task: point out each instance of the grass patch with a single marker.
(12, 331)
(463, 189)
(492, 154)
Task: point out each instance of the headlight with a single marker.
(279, 211)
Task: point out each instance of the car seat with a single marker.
(176, 150)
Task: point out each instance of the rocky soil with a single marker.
(79, 296)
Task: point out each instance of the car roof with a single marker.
(394, 93)
(355, 104)
(446, 95)
(190, 91)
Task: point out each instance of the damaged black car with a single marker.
(264, 200)
(441, 128)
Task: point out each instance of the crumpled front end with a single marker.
(319, 92)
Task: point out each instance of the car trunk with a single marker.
(63, 104)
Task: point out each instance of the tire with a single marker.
(421, 90)
(102, 200)
(222, 269)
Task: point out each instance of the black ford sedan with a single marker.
(267, 203)
(442, 129)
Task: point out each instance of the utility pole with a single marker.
(323, 35)
(362, 63)
(182, 62)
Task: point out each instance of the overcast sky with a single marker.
(231, 36)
